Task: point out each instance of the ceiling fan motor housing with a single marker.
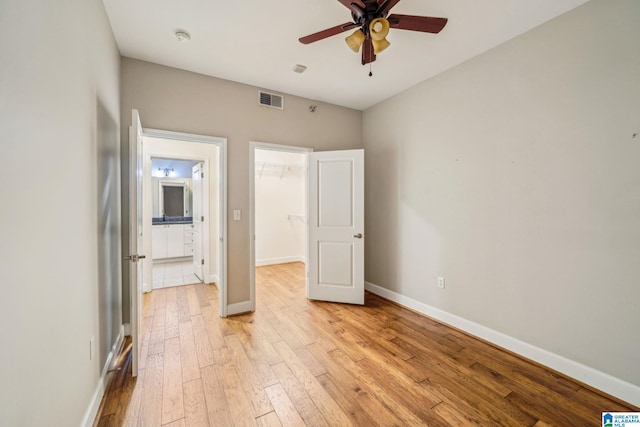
(364, 17)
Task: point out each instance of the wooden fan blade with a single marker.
(425, 24)
(367, 51)
(327, 33)
(385, 7)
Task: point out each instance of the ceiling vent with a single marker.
(271, 100)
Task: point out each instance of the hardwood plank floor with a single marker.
(296, 362)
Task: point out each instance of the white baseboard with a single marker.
(281, 260)
(607, 383)
(96, 399)
(239, 307)
(214, 279)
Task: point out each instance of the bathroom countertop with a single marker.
(172, 220)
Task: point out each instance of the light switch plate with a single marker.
(237, 215)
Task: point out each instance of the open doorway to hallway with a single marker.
(144, 145)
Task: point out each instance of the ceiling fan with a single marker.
(373, 21)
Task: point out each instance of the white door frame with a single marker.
(253, 145)
(202, 198)
(222, 195)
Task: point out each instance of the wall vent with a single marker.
(271, 100)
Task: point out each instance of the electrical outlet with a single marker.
(92, 348)
(440, 282)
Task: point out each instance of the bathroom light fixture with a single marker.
(165, 171)
(182, 36)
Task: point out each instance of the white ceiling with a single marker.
(256, 41)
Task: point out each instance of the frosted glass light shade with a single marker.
(355, 40)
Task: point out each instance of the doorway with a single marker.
(175, 237)
(160, 143)
(278, 207)
(206, 159)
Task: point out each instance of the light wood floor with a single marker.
(296, 362)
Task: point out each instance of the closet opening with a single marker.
(278, 212)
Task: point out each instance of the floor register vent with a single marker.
(271, 100)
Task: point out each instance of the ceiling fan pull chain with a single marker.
(370, 73)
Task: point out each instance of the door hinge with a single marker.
(202, 218)
(202, 262)
(202, 175)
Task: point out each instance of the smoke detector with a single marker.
(182, 36)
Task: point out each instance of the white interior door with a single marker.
(336, 226)
(197, 175)
(135, 235)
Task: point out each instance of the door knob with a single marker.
(358, 236)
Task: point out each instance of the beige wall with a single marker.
(515, 176)
(177, 100)
(59, 220)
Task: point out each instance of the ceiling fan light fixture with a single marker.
(370, 16)
(380, 45)
(355, 40)
(379, 28)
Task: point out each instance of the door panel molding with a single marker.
(336, 226)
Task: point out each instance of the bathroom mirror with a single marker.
(174, 199)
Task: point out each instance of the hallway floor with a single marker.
(177, 273)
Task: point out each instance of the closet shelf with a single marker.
(293, 217)
(278, 169)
